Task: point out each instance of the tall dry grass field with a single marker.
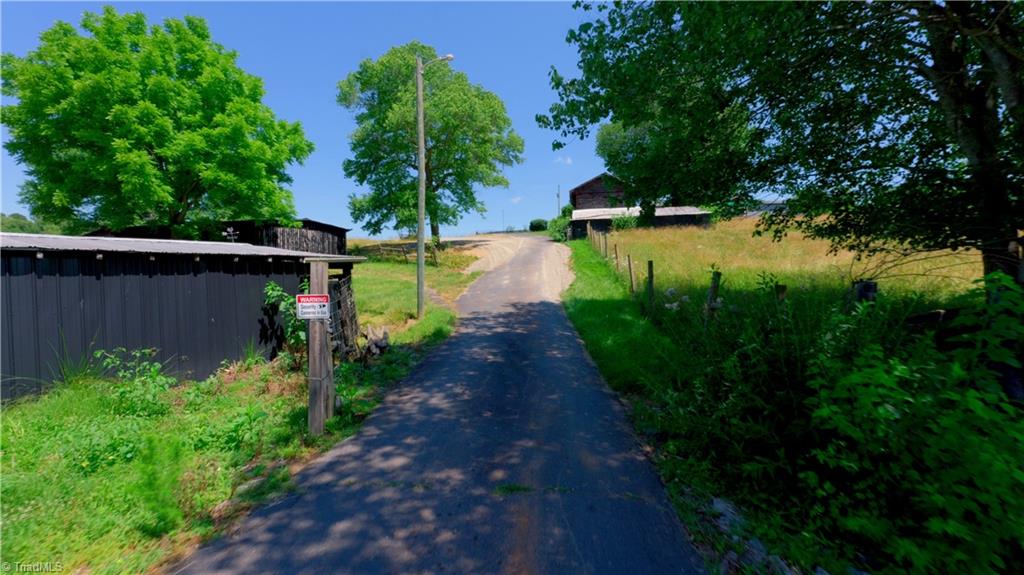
(684, 256)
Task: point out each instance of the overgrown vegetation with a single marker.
(538, 225)
(558, 228)
(282, 303)
(627, 222)
(849, 437)
(122, 474)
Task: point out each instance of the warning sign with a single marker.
(313, 306)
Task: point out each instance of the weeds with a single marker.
(281, 302)
(116, 474)
(846, 436)
(159, 469)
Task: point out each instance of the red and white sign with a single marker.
(313, 306)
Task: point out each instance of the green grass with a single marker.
(751, 405)
(92, 486)
(629, 351)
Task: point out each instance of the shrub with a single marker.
(922, 452)
(160, 466)
(626, 222)
(854, 429)
(141, 383)
(558, 229)
(538, 225)
(281, 302)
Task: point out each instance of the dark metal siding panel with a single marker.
(149, 303)
(7, 368)
(49, 323)
(93, 305)
(114, 306)
(197, 336)
(71, 324)
(27, 377)
(206, 311)
(221, 324)
(181, 325)
(136, 318)
(167, 288)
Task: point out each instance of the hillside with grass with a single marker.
(128, 471)
(849, 435)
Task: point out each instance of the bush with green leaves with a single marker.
(921, 453)
(141, 384)
(625, 222)
(852, 428)
(538, 225)
(558, 229)
(278, 301)
(160, 465)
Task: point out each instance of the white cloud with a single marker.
(567, 160)
(516, 199)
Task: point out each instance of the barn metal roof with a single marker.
(609, 213)
(45, 242)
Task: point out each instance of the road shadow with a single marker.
(503, 451)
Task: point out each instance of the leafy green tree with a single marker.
(885, 124)
(129, 124)
(469, 138)
(19, 224)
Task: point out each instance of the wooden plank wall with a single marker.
(303, 240)
(197, 312)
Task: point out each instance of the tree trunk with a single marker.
(435, 230)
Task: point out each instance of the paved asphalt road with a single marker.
(503, 452)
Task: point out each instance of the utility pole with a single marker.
(558, 202)
(421, 282)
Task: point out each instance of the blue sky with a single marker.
(301, 50)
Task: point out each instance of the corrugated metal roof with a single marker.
(44, 242)
(609, 213)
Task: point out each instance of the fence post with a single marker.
(650, 287)
(712, 304)
(605, 245)
(616, 248)
(321, 378)
(632, 282)
(780, 292)
(865, 290)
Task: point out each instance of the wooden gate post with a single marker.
(650, 287)
(632, 281)
(712, 304)
(321, 372)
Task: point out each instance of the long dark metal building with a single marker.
(197, 303)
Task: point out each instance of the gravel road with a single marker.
(503, 452)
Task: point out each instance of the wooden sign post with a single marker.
(321, 370)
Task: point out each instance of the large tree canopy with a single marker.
(130, 124)
(469, 138)
(884, 123)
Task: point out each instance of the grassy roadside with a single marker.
(119, 475)
(842, 432)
